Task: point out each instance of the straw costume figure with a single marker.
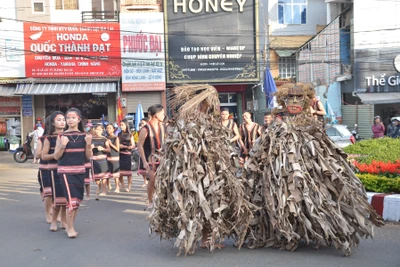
(304, 184)
(197, 195)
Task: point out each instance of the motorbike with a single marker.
(355, 133)
(24, 152)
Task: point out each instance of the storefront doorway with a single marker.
(92, 106)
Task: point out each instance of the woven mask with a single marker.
(295, 100)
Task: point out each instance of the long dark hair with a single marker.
(127, 132)
(47, 126)
(49, 121)
(78, 112)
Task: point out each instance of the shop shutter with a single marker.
(365, 118)
(147, 99)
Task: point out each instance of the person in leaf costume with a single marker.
(197, 196)
(303, 183)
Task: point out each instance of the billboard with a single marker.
(12, 60)
(142, 51)
(376, 46)
(72, 50)
(211, 41)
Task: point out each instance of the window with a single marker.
(292, 11)
(67, 4)
(287, 67)
(38, 7)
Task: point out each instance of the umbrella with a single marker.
(269, 88)
(138, 116)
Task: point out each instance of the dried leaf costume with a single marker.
(195, 187)
(304, 184)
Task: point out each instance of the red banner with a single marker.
(72, 50)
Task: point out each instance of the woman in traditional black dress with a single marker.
(126, 144)
(113, 154)
(44, 177)
(73, 147)
(55, 127)
(99, 160)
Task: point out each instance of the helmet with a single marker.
(377, 117)
(38, 119)
(395, 119)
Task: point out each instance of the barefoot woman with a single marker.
(125, 155)
(113, 154)
(72, 149)
(55, 127)
(99, 159)
(44, 177)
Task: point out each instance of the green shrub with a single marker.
(380, 184)
(382, 149)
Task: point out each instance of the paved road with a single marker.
(113, 232)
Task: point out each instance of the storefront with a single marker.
(95, 100)
(10, 117)
(233, 98)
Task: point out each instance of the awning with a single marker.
(285, 53)
(7, 90)
(65, 88)
(379, 98)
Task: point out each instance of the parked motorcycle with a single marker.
(355, 134)
(24, 152)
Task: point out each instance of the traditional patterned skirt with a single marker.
(113, 166)
(100, 167)
(59, 197)
(45, 183)
(88, 168)
(125, 163)
(73, 185)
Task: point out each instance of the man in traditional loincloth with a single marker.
(151, 138)
(249, 132)
(230, 124)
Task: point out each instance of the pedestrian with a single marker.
(230, 124)
(113, 155)
(141, 170)
(100, 149)
(249, 132)
(317, 109)
(39, 121)
(151, 138)
(395, 133)
(267, 121)
(391, 127)
(126, 145)
(38, 132)
(378, 129)
(55, 126)
(44, 178)
(72, 149)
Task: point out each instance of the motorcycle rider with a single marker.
(36, 134)
(395, 133)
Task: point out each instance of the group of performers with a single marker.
(295, 184)
(71, 158)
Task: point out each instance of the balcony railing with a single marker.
(100, 16)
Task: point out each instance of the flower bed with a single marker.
(380, 184)
(378, 164)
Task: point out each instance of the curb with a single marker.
(386, 205)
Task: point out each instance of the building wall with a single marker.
(25, 10)
(8, 9)
(141, 5)
(69, 16)
(316, 15)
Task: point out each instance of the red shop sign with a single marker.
(72, 50)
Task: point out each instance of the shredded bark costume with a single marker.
(195, 187)
(304, 184)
